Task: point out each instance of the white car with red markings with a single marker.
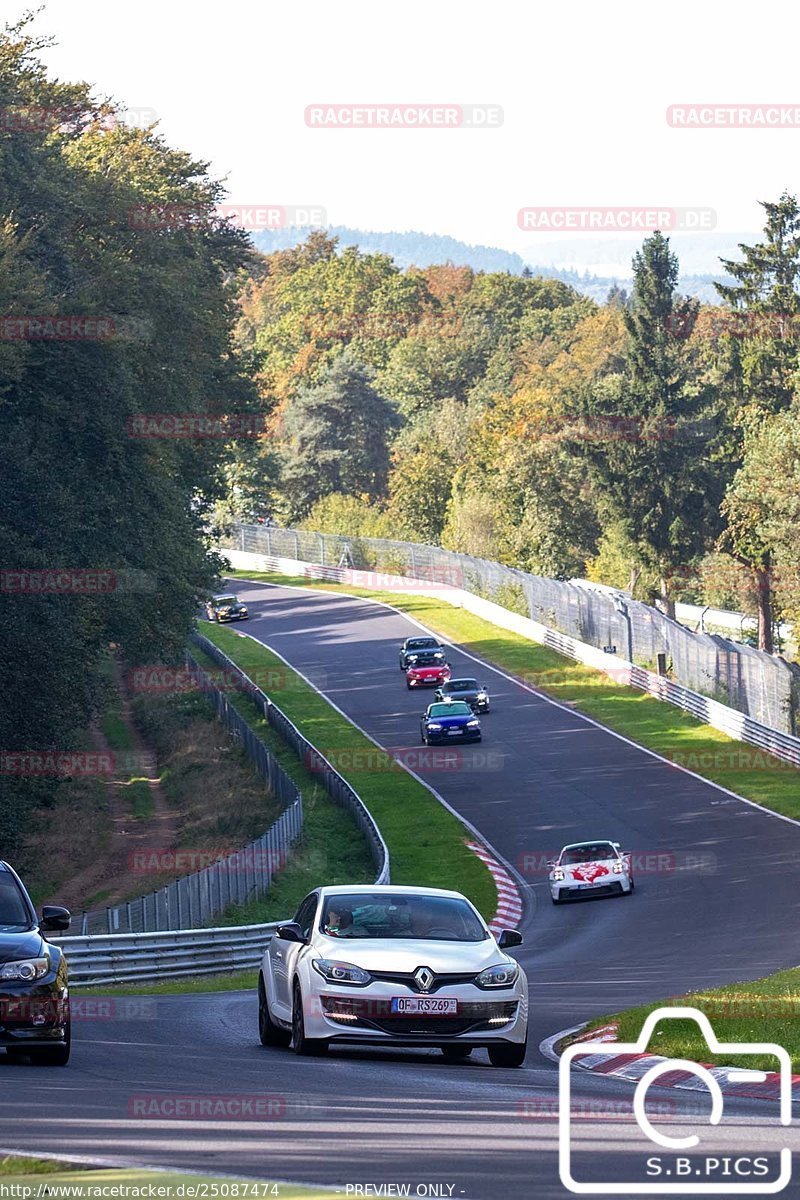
(393, 966)
(591, 869)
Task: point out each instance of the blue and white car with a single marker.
(449, 721)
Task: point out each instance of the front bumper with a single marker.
(32, 1016)
(427, 681)
(446, 739)
(221, 617)
(483, 1019)
(617, 885)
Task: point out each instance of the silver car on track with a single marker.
(393, 966)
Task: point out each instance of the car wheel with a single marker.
(556, 900)
(53, 1056)
(300, 1043)
(508, 1054)
(269, 1033)
(408, 686)
(633, 887)
(456, 1053)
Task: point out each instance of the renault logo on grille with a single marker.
(424, 978)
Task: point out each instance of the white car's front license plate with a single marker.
(429, 1006)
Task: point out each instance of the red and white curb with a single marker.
(631, 1067)
(509, 901)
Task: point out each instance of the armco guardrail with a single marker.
(195, 899)
(735, 724)
(139, 958)
(763, 687)
(335, 785)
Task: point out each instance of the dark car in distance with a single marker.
(34, 992)
(414, 646)
(469, 690)
(226, 608)
(449, 721)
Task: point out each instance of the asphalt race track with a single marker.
(718, 900)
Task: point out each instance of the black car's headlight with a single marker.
(502, 975)
(26, 970)
(341, 972)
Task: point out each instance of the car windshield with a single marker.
(13, 910)
(401, 916)
(462, 685)
(588, 853)
(428, 659)
(220, 601)
(422, 644)
(459, 709)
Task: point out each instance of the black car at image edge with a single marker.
(34, 994)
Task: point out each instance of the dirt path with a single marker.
(116, 876)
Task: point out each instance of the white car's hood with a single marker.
(392, 955)
(590, 872)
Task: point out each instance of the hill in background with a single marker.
(567, 261)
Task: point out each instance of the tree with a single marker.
(335, 438)
(765, 331)
(81, 490)
(647, 435)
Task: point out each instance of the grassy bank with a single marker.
(763, 1010)
(426, 842)
(653, 724)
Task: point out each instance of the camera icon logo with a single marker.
(678, 1182)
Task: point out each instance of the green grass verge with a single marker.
(12, 1165)
(84, 1182)
(332, 847)
(761, 1010)
(426, 842)
(237, 981)
(652, 723)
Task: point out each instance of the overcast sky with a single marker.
(584, 89)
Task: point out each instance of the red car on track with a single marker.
(429, 670)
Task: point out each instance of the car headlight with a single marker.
(433, 725)
(500, 976)
(558, 874)
(341, 972)
(618, 868)
(412, 658)
(482, 696)
(25, 971)
(473, 724)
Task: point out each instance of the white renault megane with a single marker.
(399, 966)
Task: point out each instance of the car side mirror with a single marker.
(55, 919)
(551, 862)
(291, 932)
(509, 938)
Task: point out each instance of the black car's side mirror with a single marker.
(55, 919)
(291, 932)
(509, 938)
